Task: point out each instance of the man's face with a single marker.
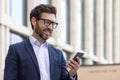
(43, 26)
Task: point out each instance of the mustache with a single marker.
(48, 30)
(38, 31)
(40, 34)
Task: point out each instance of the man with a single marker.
(35, 58)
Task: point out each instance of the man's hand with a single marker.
(73, 66)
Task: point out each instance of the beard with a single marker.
(44, 36)
(44, 33)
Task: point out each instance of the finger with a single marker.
(73, 64)
(78, 60)
(70, 65)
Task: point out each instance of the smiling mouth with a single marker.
(47, 32)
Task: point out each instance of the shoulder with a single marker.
(20, 44)
(53, 48)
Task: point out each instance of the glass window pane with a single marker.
(44, 1)
(65, 21)
(17, 11)
(14, 38)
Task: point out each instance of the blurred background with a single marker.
(89, 26)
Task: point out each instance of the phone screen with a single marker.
(79, 54)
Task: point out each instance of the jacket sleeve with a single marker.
(65, 74)
(11, 65)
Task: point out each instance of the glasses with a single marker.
(49, 22)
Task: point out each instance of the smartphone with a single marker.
(78, 54)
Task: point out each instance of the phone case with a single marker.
(79, 54)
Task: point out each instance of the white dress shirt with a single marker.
(41, 52)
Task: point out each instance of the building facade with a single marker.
(89, 26)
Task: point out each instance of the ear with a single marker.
(33, 21)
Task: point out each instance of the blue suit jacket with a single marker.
(21, 63)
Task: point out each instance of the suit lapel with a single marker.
(51, 59)
(31, 52)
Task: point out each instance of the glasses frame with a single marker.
(48, 22)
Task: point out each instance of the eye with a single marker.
(48, 22)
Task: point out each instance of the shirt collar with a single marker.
(34, 41)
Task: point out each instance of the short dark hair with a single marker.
(38, 10)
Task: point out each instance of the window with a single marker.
(82, 24)
(65, 21)
(94, 26)
(17, 11)
(14, 38)
(44, 1)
